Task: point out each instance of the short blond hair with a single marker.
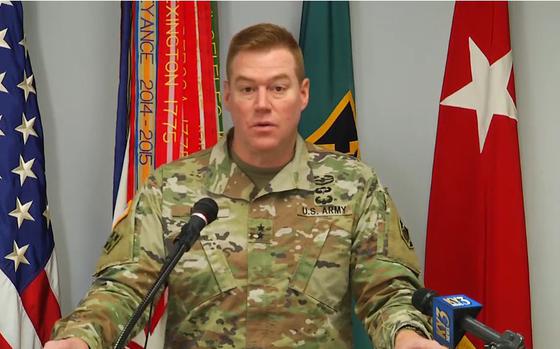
(263, 37)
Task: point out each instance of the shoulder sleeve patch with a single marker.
(399, 244)
(119, 248)
(405, 235)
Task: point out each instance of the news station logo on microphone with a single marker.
(447, 311)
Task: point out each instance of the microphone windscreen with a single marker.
(422, 300)
(207, 207)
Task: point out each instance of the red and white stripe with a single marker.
(26, 320)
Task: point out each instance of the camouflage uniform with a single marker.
(277, 269)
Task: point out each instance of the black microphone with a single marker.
(452, 316)
(204, 212)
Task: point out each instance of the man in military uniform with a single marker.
(300, 232)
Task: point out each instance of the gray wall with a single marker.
(399, 58)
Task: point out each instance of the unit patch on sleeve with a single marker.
(405, 235)
(113, 240)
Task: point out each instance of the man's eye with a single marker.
(246, 89)
(278, 88)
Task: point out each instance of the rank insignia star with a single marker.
(257, 234)
(260, 232)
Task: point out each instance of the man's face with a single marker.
(265, 99)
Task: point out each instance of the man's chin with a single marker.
(264, 146)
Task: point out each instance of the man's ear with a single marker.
(227, 94)
(304, 92)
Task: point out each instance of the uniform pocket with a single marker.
(193, 280)
(203, 272)
(322, 273)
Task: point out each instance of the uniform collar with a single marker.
(225, 177)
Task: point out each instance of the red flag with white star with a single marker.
(476, 241)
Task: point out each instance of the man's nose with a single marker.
(262, 101)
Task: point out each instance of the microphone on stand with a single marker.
(452, 316)
(204, 212)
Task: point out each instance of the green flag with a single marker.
(330, 118)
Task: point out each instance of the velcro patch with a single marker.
(112, 241)
(405, 235)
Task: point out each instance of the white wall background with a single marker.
(399, 58)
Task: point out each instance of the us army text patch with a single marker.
(327, 210)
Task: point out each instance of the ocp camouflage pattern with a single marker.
(277, 269)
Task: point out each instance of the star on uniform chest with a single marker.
(260, 231)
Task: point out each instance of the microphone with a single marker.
(452, 316)
(204, 212)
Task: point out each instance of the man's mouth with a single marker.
(263, 125)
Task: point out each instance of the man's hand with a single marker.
(408, 339)
(70, 343)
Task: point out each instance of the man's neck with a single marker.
(270, 159)
(267, 160)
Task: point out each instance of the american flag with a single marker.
(28, 270)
